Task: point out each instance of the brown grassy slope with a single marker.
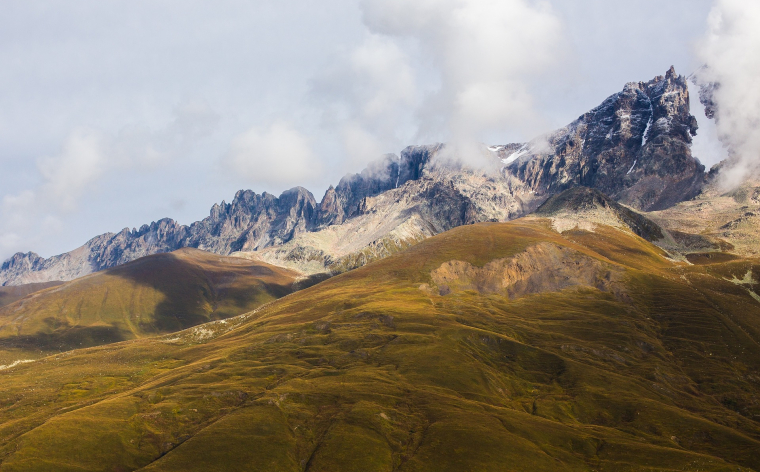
(12, 293)
(375, 370)
(156, 294)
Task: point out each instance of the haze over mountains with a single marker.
(634, 147)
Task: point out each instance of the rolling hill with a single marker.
(496, 346)
(12, 293)
(152, 295)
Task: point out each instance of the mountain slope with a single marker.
(472, 350)
(581, 204)
(634, 147)
(155, 294)
(717, 220)
(10, 294)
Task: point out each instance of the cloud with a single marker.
(14, 210)
(458, 71)
(140, 147)
(278, 154)
(361, 145)
(31, 215)
(706, 145)
(729, 50)
(383, 75)
(89, 156)
(368, 97)
(81, 163)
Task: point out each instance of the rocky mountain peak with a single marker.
(345, 200)
(635, 147)
(21, 261)
(671, 115)
(249, 222)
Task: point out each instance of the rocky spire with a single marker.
(634, 147)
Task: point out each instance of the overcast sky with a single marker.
(118, 113)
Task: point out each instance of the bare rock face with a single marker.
(716, 221)
(23, 262)
(346, 199)
(384, 224)
(634, 147)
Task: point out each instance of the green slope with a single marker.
(493, 347)
(156, 294)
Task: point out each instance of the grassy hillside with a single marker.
(492, 347)
(156, 294)
(10, 294)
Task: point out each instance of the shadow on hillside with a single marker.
(157, 294)
(65, 339)
(10, 294)
(199, 291)
(310, 281)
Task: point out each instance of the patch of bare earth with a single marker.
(544, 267)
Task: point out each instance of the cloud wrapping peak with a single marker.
(459, 71)
(485, 53)
(729, 49)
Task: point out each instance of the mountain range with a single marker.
(634, 147)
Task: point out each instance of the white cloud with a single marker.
(383, 75)
(361, 145)
(367, 98)
(140, 147)
(278, 154)
(456, 71)
(477, 60)
(67, 176)
(87, 157)
(706, 145)
(730, 51)
(14, 210)
(33, 214)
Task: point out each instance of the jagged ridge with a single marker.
(634, 147)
